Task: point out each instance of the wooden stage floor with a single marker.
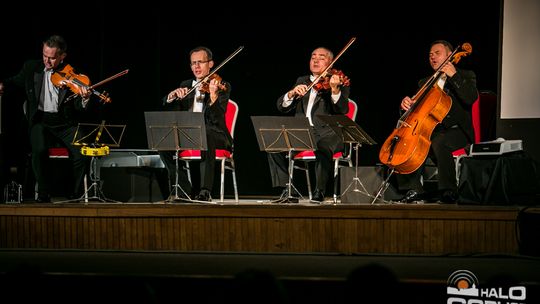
(310, 248)
(258, 225)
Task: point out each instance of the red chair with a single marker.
(483, 110)
(339, 158)
(476, 126)
(58, 152)
(225, 157)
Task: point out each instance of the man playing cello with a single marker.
(454, 132)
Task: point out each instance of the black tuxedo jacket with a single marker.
(323, 105)
(214, 115)
(30, 78)
(462, 89)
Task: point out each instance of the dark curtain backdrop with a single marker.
(153, 41)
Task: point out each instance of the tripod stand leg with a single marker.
(86, 188)
(383, 187)
(176, 185)
(334, 197)
(176, 196)
(356, 180)
(95, 186)
(290, 187)
(336, 171)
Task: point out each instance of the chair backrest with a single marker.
(353, 109)
(476, 120)
(488, 109)
(230, 116)
(477, 127)
(483, 116)
(58, 152)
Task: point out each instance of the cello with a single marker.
(406, 149)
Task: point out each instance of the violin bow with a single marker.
(215, 70)
(331, 64)
(104, 96)
(124, 72)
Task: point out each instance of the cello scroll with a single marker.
(467, 49)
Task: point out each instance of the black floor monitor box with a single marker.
(129, 175)
(370, 177)
(134, 184)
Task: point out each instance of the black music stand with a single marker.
(176, 131)
(95, 140)
(354, 135)
(284, 133)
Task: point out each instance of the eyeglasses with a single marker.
(198, 62)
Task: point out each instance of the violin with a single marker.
(328, 73)
(324, 82)
(75, 82)
(205, 84)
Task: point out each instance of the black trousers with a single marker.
(327, 143)
(214, 140)
(170, 164)
(443, 143)
(52, 127)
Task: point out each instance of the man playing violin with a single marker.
(210, 98)
(310, 103)
(49, 116)
(453, 133)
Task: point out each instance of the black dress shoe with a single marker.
(412, 196)
(318, 195)
(204, 196)
(449, 197)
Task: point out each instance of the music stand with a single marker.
(95, 140)
(176, 131)
(354, 135)
(284, 133)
